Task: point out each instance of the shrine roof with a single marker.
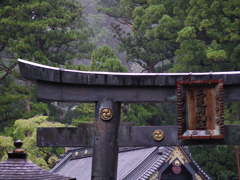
(133, 162)
(35, 71)
(25, 169)
(18, 167)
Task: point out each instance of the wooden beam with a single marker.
(49, 91)
(57, 84)
(34, 71)
(129, 136)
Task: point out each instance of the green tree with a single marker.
(144, 114)
(99, 23)
(102, 59)
(150, 113)
(154, 26)
(84, 113)
(16, 100)
(48, 32)
(210, 39)
(231, 113)
(6, 144)
(25, 130)
(219, 161)
(199, 35)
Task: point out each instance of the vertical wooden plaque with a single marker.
(200, 109)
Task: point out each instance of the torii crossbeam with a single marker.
(202, 125)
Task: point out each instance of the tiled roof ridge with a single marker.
(139, 162)
(25, 169)
(121, 149)
(146, 172)
(155, 163)
(61, 162)
(195, 164)
(125, 149)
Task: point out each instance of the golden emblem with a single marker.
(106, 114)
(177, 163)
(158, 135)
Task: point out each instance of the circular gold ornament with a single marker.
(158, 135)
(177, 163)
(106, 114)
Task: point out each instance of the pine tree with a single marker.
(102, 59)
(210, 39)
(187, 36)
(48, 32)
(153, 27)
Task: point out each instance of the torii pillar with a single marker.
(195, 93)
(105, 149)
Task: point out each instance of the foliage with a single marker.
(210, 37)
(84, 113)
(144, 114)
(226, 175)
(103, 59)
(47, 32)
(16, 101)
(219, 161)
(99, 23)
(25, 130)
(6, 144)
(154, 28)
(169, 113)
(10, 106)
(231, 113)
(153, 114)
(61, 112)
(199, 35)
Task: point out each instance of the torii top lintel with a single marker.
(35, 71)
(125, 82)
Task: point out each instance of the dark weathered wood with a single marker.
(130, 136)
(56, 84)
(65, 137)
(142, 135)
(76, 137)
(231, 93)
(93, 125)
(34, 71)
(105, 149)
(63, 85)
(83, 93)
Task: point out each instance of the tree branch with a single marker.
(124, 22)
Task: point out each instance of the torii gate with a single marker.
(200, 110)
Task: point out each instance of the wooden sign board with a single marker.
(200, 109)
